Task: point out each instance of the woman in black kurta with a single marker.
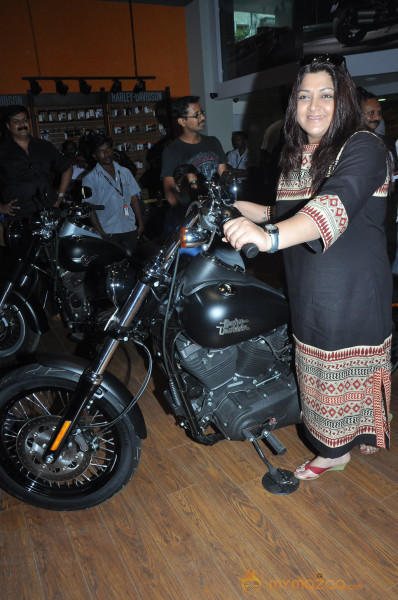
(340, 292)
(331, 204)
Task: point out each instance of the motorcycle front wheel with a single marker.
(16, 337)
(94, 467)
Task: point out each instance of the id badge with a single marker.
(126, 210)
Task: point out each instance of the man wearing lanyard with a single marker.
(114, 187)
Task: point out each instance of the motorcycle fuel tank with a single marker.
(221, 306)
(79, 253)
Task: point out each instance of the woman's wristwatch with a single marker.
(273, 232)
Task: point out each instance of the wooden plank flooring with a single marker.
(195, 523)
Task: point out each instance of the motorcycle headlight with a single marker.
(18, 235)
(120, 280)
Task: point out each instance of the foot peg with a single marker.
(276, 481)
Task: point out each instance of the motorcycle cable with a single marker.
(135, 399)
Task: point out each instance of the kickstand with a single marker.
(277, 481)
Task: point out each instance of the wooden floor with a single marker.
(195, 523)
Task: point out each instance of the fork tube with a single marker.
(92, 376)
(128, 312)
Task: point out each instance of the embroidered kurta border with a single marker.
(345, 393)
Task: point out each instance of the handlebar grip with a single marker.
(250, 250)
(93, 206)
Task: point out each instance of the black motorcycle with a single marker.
(71, 433)
(353, 19)
(63, 266)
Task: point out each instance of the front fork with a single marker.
(92, 376)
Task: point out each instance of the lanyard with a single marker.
(240, 160)
(120, 192)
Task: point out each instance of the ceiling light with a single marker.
(116, 86)
(140, 86)
(61, 87)
(84, 87)
(35, 88)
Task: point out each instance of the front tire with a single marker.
(93, 468)
(16, 337)
(346, 28)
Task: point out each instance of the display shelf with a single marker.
(135, 125)
(132, 120)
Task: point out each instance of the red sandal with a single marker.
(318, 471)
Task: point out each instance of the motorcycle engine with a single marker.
(249, 386)
(78, 305)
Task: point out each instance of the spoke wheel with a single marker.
(92, 468)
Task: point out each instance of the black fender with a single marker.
(109, 382)
(31, 308)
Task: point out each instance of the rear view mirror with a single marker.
(86, 192)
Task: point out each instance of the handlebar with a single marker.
(230, 212)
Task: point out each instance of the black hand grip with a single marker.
(250, 250)
(95, 206)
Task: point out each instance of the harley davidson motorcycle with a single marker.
(65, 267)
(71, 433)
(352, 20)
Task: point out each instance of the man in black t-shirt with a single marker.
(204, 152)
(27, 168)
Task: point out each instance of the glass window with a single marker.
(256, 35)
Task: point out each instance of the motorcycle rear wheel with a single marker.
(16, 337)
(32, 398)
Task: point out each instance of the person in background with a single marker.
(114, 187)
(204, 152)
(27, 169)
(238, 158)
(80, 169)
(372, 111)
(187, 180)
(271, 147)
(238, 162)
(79, 165)
(330, 213)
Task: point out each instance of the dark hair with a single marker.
(347, 119)
(181, 170)
(13, 110)
(97, 140)
(243, 134)
(179, 106)
(364, 95)
(68, 143)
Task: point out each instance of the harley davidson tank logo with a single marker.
(234, 326)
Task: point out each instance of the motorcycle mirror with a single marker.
(86, 191)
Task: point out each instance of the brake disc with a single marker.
(32, 441)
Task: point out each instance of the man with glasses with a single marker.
(27, 168)
(204, 152)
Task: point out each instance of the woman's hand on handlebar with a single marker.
(241, 231)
